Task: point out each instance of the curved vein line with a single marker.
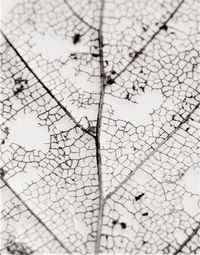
(152, 153)
(34, 215)
(47, 89)
(187, 240)
(148, 42)
(98, 129)
(81, 19)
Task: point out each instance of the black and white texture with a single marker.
(100, 127)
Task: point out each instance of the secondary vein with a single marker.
(46, 88)
(34, 215)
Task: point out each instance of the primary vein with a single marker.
(98, 129)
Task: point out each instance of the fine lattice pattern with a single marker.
(100, 127)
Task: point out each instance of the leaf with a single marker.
(100, 135)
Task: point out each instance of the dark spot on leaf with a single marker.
(137, 53)
(142, 88)
(73, 55)
(127, 96)
(2, 172)
(133, 87)
(106, 62)
(144, 28)
(19, 80)
(76, 38)
(113, 72)
(7, 130)
(164, 27)
(3, 141)
(114, 222)
(95, 55)
(92, 129)
(187, 129)
(16, 248)
(123, 225)
(145, 214)
(18, 90)
(8, 248)
(130, 54)
(139, 197)
(110, 81)
(194, 67)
